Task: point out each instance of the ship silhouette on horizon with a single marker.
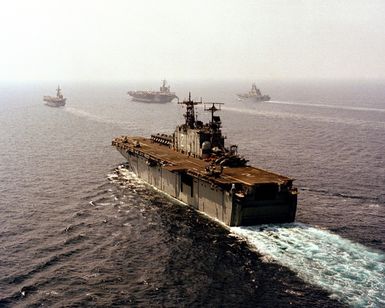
(164, 95)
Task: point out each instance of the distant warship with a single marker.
(194, 166)
(254, 94)
(55, 101)
(162, 96)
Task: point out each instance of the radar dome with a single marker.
(206, 145)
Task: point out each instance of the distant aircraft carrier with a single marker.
(162, 96)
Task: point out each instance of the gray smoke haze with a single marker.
(126, 40)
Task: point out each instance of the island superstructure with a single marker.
(194, 166)
(254, 94)
(164, 95)
(55, 101)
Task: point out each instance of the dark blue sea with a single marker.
(78, 229)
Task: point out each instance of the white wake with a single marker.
(353, 108)
(351, 272)
(300, 117)
(97, 118)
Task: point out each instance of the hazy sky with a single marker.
(208, 39)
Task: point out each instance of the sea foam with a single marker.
(351, 272)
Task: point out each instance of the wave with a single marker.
(326, 192)
(351, 272)
(353, 108)
(96, 118)
(126, 178)
(37, 268)
(88, 115)
(299, 117)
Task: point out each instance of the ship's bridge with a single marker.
(195, 138)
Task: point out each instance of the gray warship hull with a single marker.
(254, 95)
(53, 102)
(151, 98)
(164, 95)
(269, 197)
(264, 98)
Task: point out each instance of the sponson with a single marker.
(193, 165)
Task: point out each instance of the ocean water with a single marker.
(78, 229)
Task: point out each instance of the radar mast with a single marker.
(190, 111)
(215, 120)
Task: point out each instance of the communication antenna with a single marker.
(190, 111)
(214, 108)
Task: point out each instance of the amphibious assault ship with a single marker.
(55, 101)
(254, 94)
(162, 96)
(194, 166)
